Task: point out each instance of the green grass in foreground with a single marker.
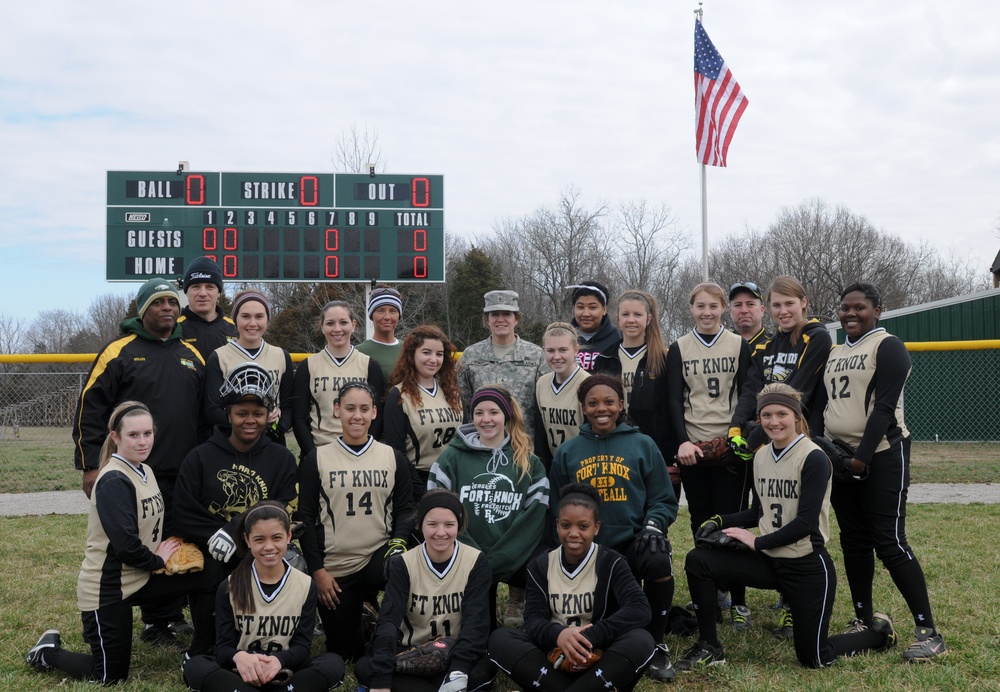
(39, 591)
(41, 459)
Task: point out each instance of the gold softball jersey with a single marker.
(434, 608)
(326, 376)
(560, 409)
(355, 502)
(630, 364)
(778, 478)
(271, 358)
(275, 619)
(710, 377)
(434, 423)
(104, 578)
(571, 594)
(850, 390)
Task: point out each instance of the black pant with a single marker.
(809, 583)
(480, 677)
(108, 629)
(716, 490)
(620, 668)
(872, 518)
(319, 674)
(342, 624)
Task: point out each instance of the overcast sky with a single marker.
(890, 109)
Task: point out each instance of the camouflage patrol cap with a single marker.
(501, 301)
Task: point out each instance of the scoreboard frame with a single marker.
(288, 227)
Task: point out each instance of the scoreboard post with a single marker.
(277, 226)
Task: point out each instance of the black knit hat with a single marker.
(202, 270)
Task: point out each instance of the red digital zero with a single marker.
(420, 192)
(194, 189)
(309, 191)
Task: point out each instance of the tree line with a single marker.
(634, 244)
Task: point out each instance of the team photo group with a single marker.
(452, 519)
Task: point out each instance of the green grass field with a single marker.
(39, 591)
(41, 459)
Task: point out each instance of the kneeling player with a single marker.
(791, 507)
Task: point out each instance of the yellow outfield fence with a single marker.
(950, 397)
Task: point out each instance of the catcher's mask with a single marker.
(246, 382)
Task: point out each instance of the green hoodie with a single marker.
(506, 512)
(628, 470)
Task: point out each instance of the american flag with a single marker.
(718, 100)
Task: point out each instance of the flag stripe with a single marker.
(719, 101)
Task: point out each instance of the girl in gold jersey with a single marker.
(265, 616)
(791, 510)
(423, 409)
(125, 550)
(864, 379)
(437, 592)
(585, 614)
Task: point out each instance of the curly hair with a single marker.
(405, 372)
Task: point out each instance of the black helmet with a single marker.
(248, 381)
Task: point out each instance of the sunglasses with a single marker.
(749, 286)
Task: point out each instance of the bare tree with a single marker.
(357, 149)
(54, 330)
(12, 334)
(542, 253)
(106, 312)
(651, 249)
(828, 248)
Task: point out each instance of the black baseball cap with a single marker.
(749, 287)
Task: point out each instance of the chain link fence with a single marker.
(950, 400)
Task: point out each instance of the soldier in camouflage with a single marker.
(503, 358)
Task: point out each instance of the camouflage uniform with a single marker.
(517, 371)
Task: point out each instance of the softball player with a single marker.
(863, 394)
(423, 409)
(595, 329)
(796, 356)
(252, 313)
(559, 414)
(639, 504)
(320, 376)
(355, 501)
(583, 599)
(502, 486)
(265, 614)
(791, 508)
(706, 370)
(640, 359)
(438, 589)
(125, 547)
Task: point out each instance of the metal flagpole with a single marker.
(704, 200)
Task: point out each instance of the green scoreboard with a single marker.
(277, 226)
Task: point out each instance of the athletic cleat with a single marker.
(160, 635)
(928, 646)
(701, 655)
(855, 626)
(882, 624)
(661, 669)
(514, 614)
(723, 602)
(785, 624)
(740, 615)
(50, 639)
(369, 618)
(180, 627)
